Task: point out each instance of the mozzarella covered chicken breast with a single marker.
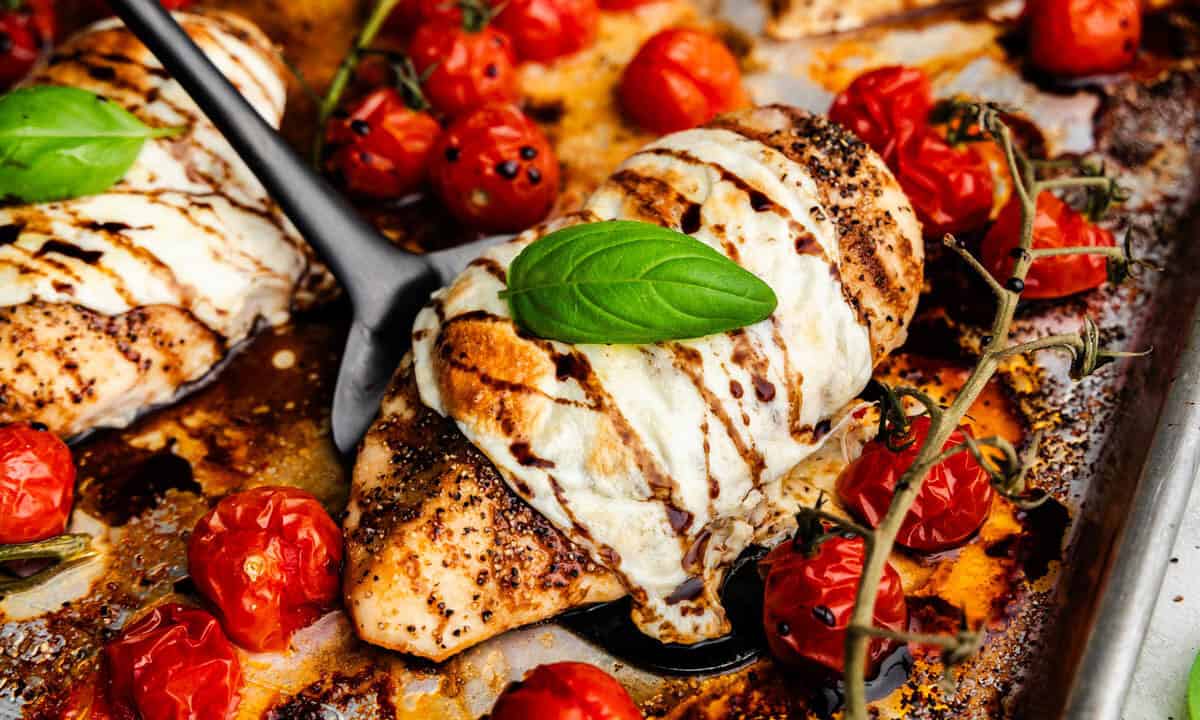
(663, 462)
(114, 302)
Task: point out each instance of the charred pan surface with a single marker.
(440, 553)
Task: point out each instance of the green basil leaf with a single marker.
(1193, 690)
(63, 142)
(628, 282)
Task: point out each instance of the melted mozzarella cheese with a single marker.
(664, 460)
(188, 226)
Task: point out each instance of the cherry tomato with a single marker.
(680, 79)
(809, 601)
(468, 65)
(495, 170)
(1084, 37)
(542, 30)
(269, 560)
(172, 664)
(24, 30)
(412, 14)
(885, 107)
(951, 188)
(176, 4)
(382, 147)
(37, 484)
(566, 691)
(952, 504)
(1055, 225)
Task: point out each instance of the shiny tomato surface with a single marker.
(618, 5)
(37, 484)
(1084, 37)
(680, 79)
(269, 560)
(952, 504)
(467, 68)
(566, 691)
(172, 664)
(542, 30)
(382, 147)
(951, 188)
(1055, 225)
(495, 170)
(809, 601)
(886, 107)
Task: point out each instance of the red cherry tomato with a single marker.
(23, 32)
(468, 66)
(809, 601)
(951, 188)
(412, 14)
(680, 79)
(1084, 37)
(566, 691)
(176, 4)
(542, 30)
(37, 484)
(495, 170)
(382, 147)
(885, 107)
(269, 560)
(1055, 225)
(172, 664)
(952, 504)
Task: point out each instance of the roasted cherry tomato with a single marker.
(469, 63)
(37, 484)
(382, 147)
(269, 560)
(952, 504)
(24, 29)
(951, 188)
(625, 4)
(495, 170)
(172, 664)
(566, 691)
(542, 30)
(1084, 37)
(680, 79)
(810, 598)
(885, 107)
(1055, 225)
(412, 14)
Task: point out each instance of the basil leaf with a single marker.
(1193, 690)
(63, 142)
(630, 283)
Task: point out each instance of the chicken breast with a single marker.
(662, 462)
(790, 19)
(115, 302)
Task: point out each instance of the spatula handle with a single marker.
(362, 259)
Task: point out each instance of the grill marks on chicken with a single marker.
(440, 554)
(664, 461)
(188, 238)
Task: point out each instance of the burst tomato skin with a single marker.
(809, 601)
(680, 79)
(542, 30)
(269, 560)
(1084, 37)
(1055, 225)
(885, 108)
(566, 691)
(951, 188)
(37, 484)
(467, 69)
(172, 664)
(382, 147)
(495, 170)
(953, 502)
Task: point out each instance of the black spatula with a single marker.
(386, 285)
